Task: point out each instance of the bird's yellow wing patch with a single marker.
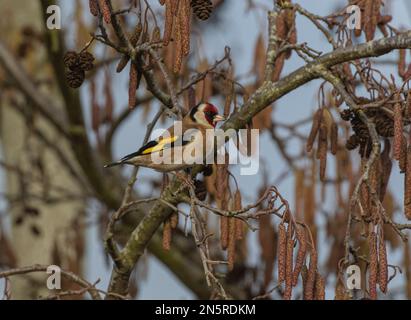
(162, 144)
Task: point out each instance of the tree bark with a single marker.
(55, 235)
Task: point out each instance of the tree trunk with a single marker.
(42, 233)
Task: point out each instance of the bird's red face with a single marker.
(211, 114)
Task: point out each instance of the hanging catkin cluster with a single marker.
(372, 18)
(177, 28)
(77, 64)
(289, 268)
(378, 265)
(325, 130)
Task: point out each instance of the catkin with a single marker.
(289, 264)
(167, 235)
(383, 263)
(319, 291)
(373, 267)
(407, 186)
(178, 54)
(300, 259)
(184, 22)
(282, 252)
(402, 161)
(105, 10)
(408, 105)
(168, 24)
(93, 5)
(224, 232)
(314, 130)
(231, 243)
(133, 85)
(322, 150)
(310, 282)
(398, 128)
(334, 138)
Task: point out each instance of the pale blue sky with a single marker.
(237, 30)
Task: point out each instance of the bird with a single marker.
(172, 147)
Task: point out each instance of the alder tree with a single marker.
(198, 223)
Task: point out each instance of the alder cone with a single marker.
(202, 8)
(75, 78)
(86, 60)
(71, 60)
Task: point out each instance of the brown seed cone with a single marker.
(174, 220)
(398, 128)
(301, 253)
(224, 232)
(105, 11)
(334, 138)
(319, 291)
(86, 61)
(407, 186)
(314, 129)
(383, 263)
(133, 86)
(289, 264)
(202, 8)
(93, 5)
(312, 271)
(352, 142)
(231, 243)
(373, 267)
(282, 252)
(71, 60)
(75, 78)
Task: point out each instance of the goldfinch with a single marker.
(179, 147)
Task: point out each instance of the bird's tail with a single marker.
(113, 164)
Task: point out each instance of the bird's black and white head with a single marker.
(206, 114)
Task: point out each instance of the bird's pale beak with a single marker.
(218, 118)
